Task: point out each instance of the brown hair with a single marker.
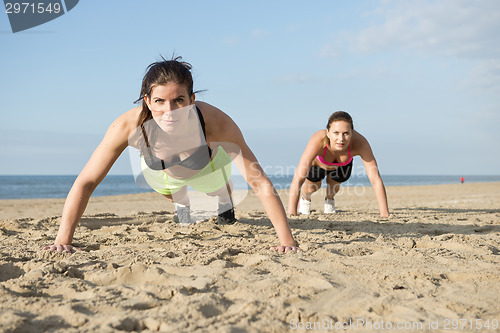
(158, 73)
(337, 116)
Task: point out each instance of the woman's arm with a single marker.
(259, 182)
(364, 150)
(310, 152)
(223, 130)
(103, 158)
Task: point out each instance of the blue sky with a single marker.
(420, 78)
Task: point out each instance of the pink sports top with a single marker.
(322, 158)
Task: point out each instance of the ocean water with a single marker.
(31, 187)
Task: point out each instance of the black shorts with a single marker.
(340, 175)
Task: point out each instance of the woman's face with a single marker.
(165, 103)
(340, 134)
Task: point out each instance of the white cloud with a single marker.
(295, 78)
(259, 33)
(231, 40)
(458, 28)
(486, 76)
(256, 34)
(468, 30)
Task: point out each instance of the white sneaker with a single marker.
(329, 206)
(183, 215)
(304, 206)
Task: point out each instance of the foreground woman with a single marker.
(183, 143)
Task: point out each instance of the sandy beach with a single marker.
(434, 265)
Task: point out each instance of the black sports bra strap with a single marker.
(202, 123)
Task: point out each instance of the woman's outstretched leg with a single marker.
(332, 187)
(308, 188)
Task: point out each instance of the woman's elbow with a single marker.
(262, 186)
(377, 181)
(85, 184)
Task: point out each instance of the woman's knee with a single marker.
(169, 197)
(227, 189)
(332, 185)
(310, 187)
(181, 196)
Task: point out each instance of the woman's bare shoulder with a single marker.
(358, 138)
(131, 116)
(316, 141)
(218, 124)
(358, 143)
(319, 135)
(128, 120)
(125, 126)
(210, 112)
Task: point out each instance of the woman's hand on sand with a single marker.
(286, 248)
(61, 248)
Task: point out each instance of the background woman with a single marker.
(329, 154)
(182, 142)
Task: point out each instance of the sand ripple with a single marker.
(431, 260)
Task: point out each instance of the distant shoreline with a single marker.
(47, 186)
(153, 202)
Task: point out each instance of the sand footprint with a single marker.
(10, 271)
(133, 274)
(139, 274)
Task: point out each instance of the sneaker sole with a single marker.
(221, 220)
